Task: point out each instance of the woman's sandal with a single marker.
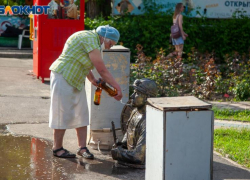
(86, 154)
(66, 153)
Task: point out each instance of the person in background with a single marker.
(69, 109)
(52, 13)
(71, 10)
(124, 6)
(14, 32)
(178, 18)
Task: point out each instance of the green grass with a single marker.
(229, 114)
(233, 143)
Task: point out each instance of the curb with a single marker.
(230, 124)
(8, 52)
(231, 161)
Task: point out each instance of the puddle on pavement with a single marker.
(25, 157)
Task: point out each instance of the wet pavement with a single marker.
(26, 157)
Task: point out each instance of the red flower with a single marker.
(226, 95)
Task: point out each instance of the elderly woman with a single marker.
(81, 53)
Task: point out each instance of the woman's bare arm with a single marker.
(180, 18)
(96, 59)
(92, 78)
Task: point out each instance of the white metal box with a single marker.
(179, 139)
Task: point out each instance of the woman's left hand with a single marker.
(94, 82)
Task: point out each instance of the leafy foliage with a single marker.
(236, 76)
(198, 74)
(152, 29)
(164, 71)
(11, 2)
(205, 74)
(242, 90)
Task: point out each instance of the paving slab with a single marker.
(244, 105)
(230, 124)
(16, 109)
(14, 52)
(17, 79)
(23, 98)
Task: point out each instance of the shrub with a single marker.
(198, 74)
(164, 71)
(220, 36)
(176, 78)
(242, 90)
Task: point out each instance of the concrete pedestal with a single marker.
(117, 61)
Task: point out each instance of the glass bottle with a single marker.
(97, 96)
(108, 88)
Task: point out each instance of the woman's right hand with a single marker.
(184, 36)
(118, 97)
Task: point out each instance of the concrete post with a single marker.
(117, 60)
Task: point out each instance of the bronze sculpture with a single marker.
(131, 151)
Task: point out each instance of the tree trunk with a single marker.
(106, 8)
(93, 8)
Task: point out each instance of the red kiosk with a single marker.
(51, 31)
